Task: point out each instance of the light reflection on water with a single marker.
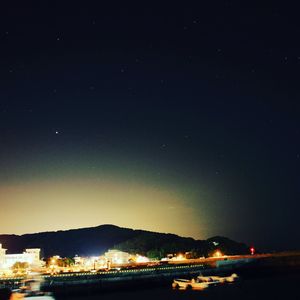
(283, 287)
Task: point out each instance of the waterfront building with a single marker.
(117, 257)
(30, 256)
(90, 263)
(79, 261)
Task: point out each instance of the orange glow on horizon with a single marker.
(59, 205)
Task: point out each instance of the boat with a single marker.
(189, 284)
(221, 279)
(30, 290)
(16, 295)
(202, 282)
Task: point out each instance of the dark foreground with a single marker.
(283, 286)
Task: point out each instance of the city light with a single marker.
(113, 259)
(141, 259)
(180, 257)
(218, 253)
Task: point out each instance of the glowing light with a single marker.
(142, 259)
(118, 260)
(179, 257)
(218, 253)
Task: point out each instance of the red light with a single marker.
(252, 250)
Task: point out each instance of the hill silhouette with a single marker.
(97, 240)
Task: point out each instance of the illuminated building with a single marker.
(141, 259)
(30, 256)
(78, 260)
(89, 263)
(117, 257)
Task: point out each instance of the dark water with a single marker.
(283, 287)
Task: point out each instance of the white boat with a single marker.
(192, 284)
(221, 279)
(202, 282)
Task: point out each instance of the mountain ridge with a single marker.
(96, 240)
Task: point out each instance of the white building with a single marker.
(117, 257)
(30, 256)
(91, 262)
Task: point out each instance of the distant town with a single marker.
(116, 269)
(30, 261)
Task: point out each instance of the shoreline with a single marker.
(82, 283)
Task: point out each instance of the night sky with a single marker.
(180, 117)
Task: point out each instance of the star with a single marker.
(56, 132)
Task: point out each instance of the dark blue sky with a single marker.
(193, 106)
